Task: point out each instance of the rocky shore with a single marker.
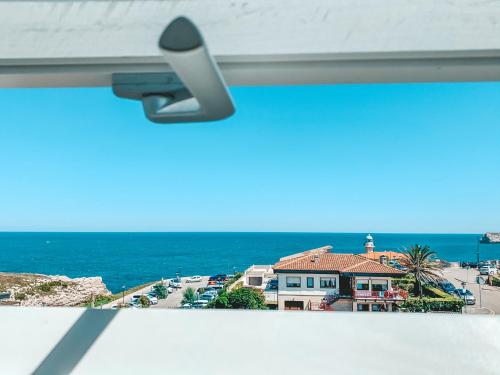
(47, 290)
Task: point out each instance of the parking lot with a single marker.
(490, 295)
(173, 301)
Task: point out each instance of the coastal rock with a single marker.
(46, 290)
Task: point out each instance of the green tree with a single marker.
(420, 262)
(189, 296)
(160, 290)
(144, 301)
(246, 298)
(221, 302)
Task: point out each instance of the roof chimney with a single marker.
(315, 258)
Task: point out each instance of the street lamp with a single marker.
(463, 290)
(123, 294)
(477, 251)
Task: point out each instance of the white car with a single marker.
(153, 300)
(170, 290)
(199, 304)
(194, 279)
(488, 270)
(207, 296)
(175, 283)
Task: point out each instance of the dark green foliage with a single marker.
(425, 304)
(407, 282)
(496, 281)
(144, 301)
(420, 261)
(247, 298)
(160, 290)
(241, 298)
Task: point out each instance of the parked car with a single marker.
(153, 300)
(170, 289)
(466, 295)
(207, 296)
(134, 304)
(211, 291)
(446, 286)
(468, 264)
(194, 279)
(488, 270)
(199, 304)
(175, 283)
(272, 284)
(187, 306)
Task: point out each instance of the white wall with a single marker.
(304, 290)
(189, 342)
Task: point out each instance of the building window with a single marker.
(327, 282)
(255, 280)
(310, 282)
(362, 285)
(363, 307)
(292, 282)
(380, 285)
(378, 307)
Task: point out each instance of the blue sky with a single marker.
(345, 158)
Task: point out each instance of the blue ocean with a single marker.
(129, 259)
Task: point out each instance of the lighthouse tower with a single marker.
(369, 245)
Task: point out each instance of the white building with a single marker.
(321, 280)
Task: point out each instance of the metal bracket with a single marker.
(195, 92)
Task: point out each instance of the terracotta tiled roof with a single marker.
(322, 260)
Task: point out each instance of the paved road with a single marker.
(129, 296)
(173, 301)
(490, 294)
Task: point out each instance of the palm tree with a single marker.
(420, 262)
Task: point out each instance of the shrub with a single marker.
(20, 296)
(406, 282)
(233, 279)
(239, 298)
(430, 291)
(48, 286)
(189, 296)
(426, 304)
(144, 301)
(496, 281)
(160, 290)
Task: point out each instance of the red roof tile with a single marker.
(322, 260)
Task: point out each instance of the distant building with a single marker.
(321, 280)
(263, 278)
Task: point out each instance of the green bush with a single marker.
(239, 298)
(233, 279)
(496, 281)
(406, 282)
(189, 296)
(20, 296)
(47, 287)
(160, 290)
(426, 304)
(430, 291)
(247, 298)
(144, 301)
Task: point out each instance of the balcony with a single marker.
(395, 294)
